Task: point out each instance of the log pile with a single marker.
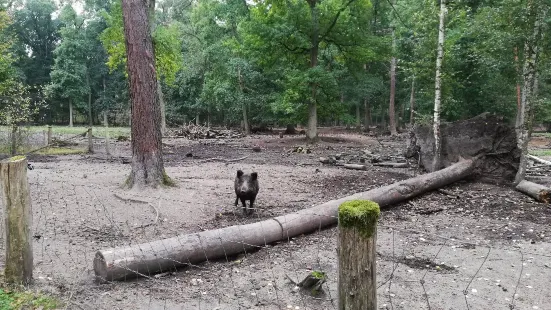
(359, 160)
(197, 132)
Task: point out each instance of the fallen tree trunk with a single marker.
(355, 166)
(168, 254)
(534, 190)
(539, 160)
(392, 165)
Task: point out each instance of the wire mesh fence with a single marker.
(58, 140)
(73, 219)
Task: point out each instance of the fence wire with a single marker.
(415, 269)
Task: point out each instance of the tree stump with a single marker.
(357, 265)
(18, 220)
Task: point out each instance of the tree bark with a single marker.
(70, 113)
(164, 255)
(412, 103)
(367, 114)
(438, 89)
(147, 160)
(539, 192)
(524, 117)
(518, 84)
(391, 106)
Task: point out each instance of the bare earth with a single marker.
(474, 246)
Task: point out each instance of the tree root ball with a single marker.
(486, 134)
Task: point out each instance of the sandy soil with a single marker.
(474, 246)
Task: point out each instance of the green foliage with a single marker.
(166, 40)
(16, 103)
(70, 71)
(21, 300)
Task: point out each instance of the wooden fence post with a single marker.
(18, 221)
(357, 246)
(49, 134)
(90, 141)
(106, 123)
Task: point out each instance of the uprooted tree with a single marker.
(486, 136)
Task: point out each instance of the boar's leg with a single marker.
(251, 208)
(244, 205)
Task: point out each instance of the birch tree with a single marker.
(438, 89)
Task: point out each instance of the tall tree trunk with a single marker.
(312, 129)
(367, 114)
(438, 89)
(70, 112)
(197, 121)
(358, 116)
(246, 126)
(412, 103)
(391, 106)
(518, 84)
(90, 119)
(524, 120)
(147, 157)
(208, 116)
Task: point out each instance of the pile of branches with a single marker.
(197, 132)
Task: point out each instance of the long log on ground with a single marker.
(355, 166)
(539, 160)
(392, 165)
(534, 190)
(185, 250)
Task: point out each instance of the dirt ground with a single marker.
(471, 246)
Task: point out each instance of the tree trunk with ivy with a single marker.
(147, 159)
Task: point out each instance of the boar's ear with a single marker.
(239, 173)
(254, 176)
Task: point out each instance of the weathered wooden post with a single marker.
(106, 123)
(18, 220)
(357, 268)
(49, 134)
(90, 142)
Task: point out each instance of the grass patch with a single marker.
(540, 152)
(10, 299)
(97, 131)
(542, 134)
(60, 151)
(54, 151)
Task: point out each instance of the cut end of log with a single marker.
(545, 196)
(16, 159)
(100, 268)
(361, 215)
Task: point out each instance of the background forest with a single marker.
(263, 63)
